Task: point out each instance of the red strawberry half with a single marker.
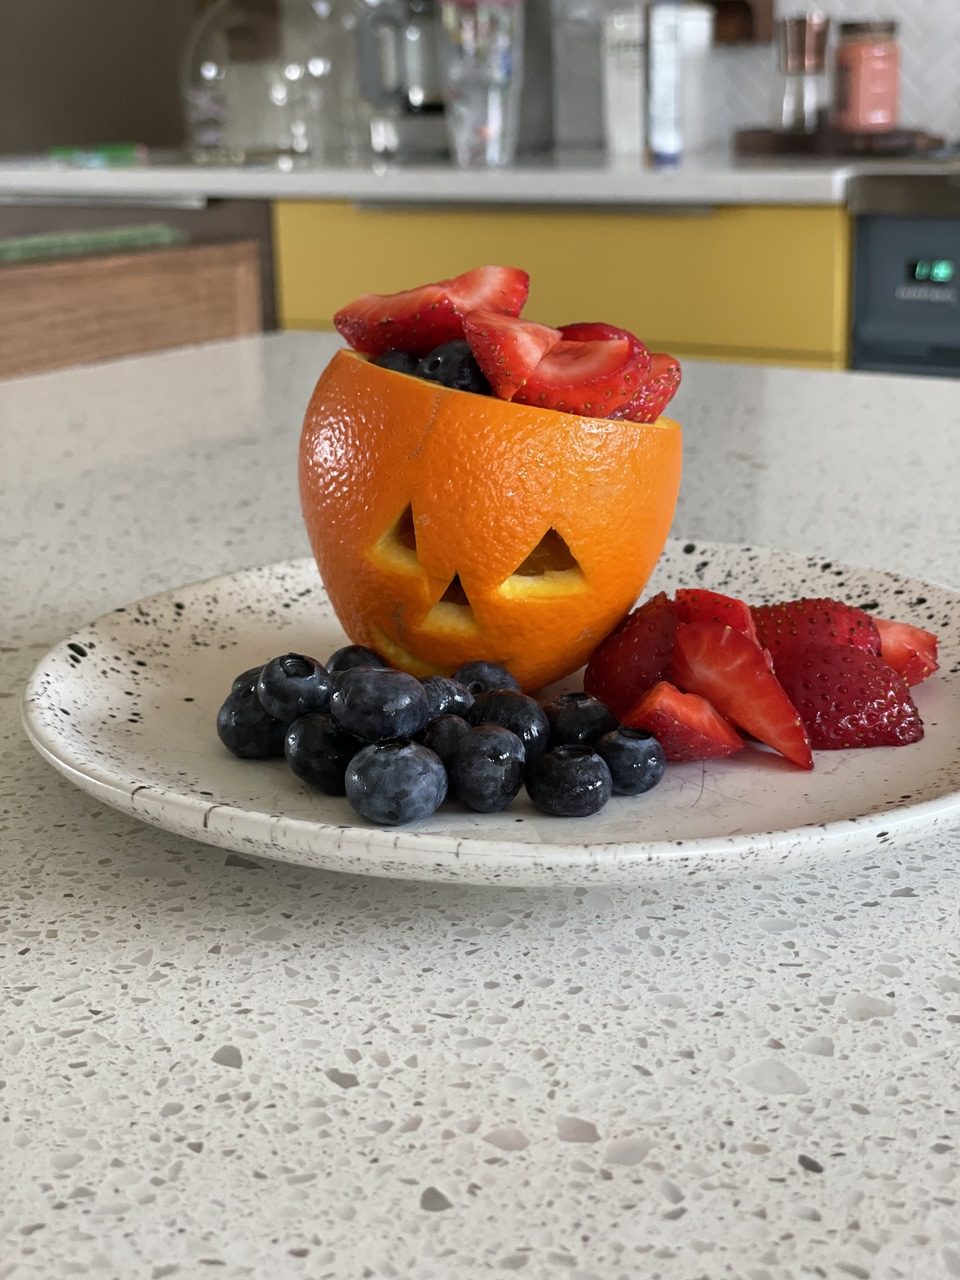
(597, 330)
(507, 349)
(593, 378)
(697, 605)
(658, 388)
(730, 670)
(687, 726)
(417, 320)
(791, 627)
(634, 656)
(848, 697)
(493, 288)
(911, 651)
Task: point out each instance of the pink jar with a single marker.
(868, 78)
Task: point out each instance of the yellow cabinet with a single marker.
(746, 282)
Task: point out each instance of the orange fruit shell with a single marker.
(486, 481)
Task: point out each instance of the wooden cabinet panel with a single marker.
(762, 283)
(76, 310)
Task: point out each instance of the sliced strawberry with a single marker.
(634, 656)
(686, 725)
(597, 330)
(501, 289)
(417, 320)
(657, 390)
(507, 349)
(593, 378)
(793, 625)
(696, 605)
(911, 651)
(730, 670)
(848, 697)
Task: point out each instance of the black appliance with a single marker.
(906, 286)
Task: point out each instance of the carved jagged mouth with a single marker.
(400, 657)
(549, 570)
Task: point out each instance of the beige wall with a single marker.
(76, 72)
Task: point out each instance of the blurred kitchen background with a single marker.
(739, 179)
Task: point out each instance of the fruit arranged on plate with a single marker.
(396, 746)
(800, 675)
(683, 679)
(466, 333)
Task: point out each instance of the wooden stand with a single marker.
(832, 142)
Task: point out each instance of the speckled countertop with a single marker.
(219, 1066)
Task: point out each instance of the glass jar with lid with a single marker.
(868, 78)
(273, 79)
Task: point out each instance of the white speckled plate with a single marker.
(126, 707)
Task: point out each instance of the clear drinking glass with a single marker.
(482, 64)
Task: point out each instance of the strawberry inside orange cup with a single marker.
(517, 526)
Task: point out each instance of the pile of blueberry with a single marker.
(397, 747)
(452, 365)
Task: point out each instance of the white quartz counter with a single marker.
(230, 1067)
(708, 179)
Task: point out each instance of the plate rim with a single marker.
(369, 840)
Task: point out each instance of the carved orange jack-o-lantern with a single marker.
(449, 526)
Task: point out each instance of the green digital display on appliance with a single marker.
(932, 271)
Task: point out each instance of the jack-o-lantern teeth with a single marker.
(453, 613)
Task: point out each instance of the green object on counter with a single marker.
(105, 156)
(70, 244)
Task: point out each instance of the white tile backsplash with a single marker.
(742, 79)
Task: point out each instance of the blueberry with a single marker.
(398, 361)
(247, 679)
(486, 768)
(318, 751)
(394, 782)
(377, 703)
(516, 712)
(293, 685)
(635, 760)
(480, 676)
(454, 365)
(578, 718)
(569, 782)
(354, 655)
(442, 734)
(246, 729)
(446, 697)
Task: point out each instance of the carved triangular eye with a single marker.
(551, 569)
(549, 555)
(404, 530)
(397, 549)
(452, 612)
